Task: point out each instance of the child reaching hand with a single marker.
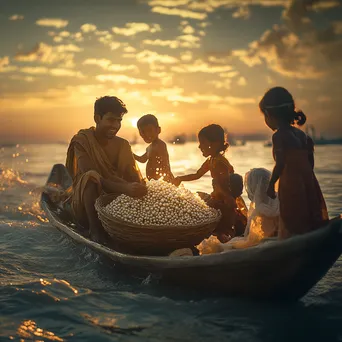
(212, 143)
(156, 156)
(302, 206)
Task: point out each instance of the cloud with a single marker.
(201, 66)
(297, 10)
(5, 65)
(107, 40)
(310, 56)
(221, 84)
(179, 12)
(188, 30)
(86, 28)
(101, 62)
(34, 70)
(230, 74)
(22, 78)
(64, 34)
(106, 64)
(242, 12)
(58, 72)
(242, 82)
(132, 29)
(168, 3)
(185, 41)
(120, 79)
(68, 48)
(239, 100)
(173, 44)
(186, 56)
(15, 17)
(65, 73)
(52, 22)
(49, 54)
(147, 56)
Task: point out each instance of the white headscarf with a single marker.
(256, 183)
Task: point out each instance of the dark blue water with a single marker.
(52, 289)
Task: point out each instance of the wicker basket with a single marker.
(151, 240)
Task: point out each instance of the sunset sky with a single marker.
(190, 62)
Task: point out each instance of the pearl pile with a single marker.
(164, 204)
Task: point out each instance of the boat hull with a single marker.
(279, 269)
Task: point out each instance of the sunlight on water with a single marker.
(29, 329)
(52, 289)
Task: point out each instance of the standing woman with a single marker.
(302, 206)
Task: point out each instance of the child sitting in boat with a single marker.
(263, 213)
(156, 156)
(262, 219)
(302, 206)
(213, 145)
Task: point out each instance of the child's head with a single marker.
(212, 140)
(279, 108)
(149, 128)
(108, 113)
(256, 183)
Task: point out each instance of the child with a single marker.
(302, 206)
(156, 156)
(213, 145)
(263, 216)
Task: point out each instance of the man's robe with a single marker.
(83, 144)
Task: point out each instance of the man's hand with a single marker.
(136, 190)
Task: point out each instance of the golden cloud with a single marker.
(120, 79)
(5, 65)
(179, 12)
(147, 56)
(201, 66)
(86, 28)
(15, 17)
(50, 54)
(52, 22)
(132, 29)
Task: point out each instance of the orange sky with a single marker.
(189, 62)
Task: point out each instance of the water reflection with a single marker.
(29, 329)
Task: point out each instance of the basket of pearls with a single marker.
(165, 219)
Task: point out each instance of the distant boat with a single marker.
(320, 140)
(237, 142)
(178, 139)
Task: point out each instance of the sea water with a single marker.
(52, 289)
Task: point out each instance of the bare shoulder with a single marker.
(120, 140)
(159, 146)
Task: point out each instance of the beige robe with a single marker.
(85, 143)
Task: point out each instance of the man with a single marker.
(98, 160)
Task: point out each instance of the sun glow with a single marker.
(134, 122)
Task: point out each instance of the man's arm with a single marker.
(115, 184)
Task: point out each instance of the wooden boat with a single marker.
(277, 270)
